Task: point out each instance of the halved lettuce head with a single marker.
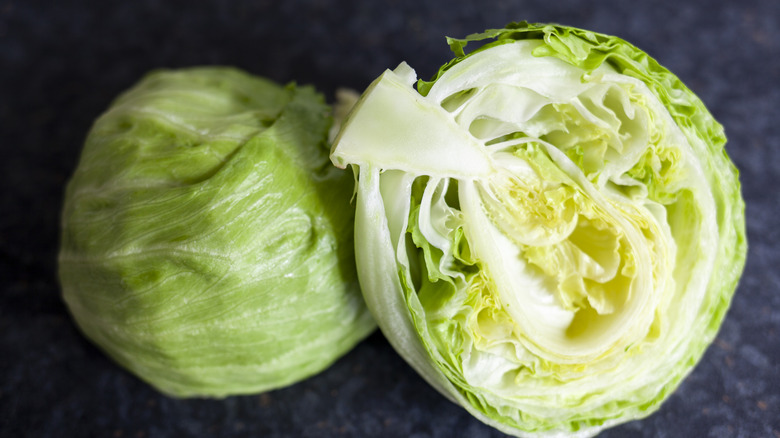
(207, 239)
(549, 231)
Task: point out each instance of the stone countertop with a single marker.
(61, 64)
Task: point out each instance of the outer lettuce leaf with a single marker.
(549, 230)
(207, 242)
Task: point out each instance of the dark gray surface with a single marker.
(61, 63)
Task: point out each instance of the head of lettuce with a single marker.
(207, 240)
(549, 230)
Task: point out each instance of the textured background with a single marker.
(62, 62)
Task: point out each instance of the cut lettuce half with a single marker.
(549, 231)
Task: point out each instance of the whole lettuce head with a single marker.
(549, 231)
(207, 240)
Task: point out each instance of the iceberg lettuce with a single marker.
(549, 231)
(207, 239)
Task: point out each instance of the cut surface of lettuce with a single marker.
(549, 231)
(207, 240)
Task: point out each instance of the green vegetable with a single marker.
(206, 238)
(549, 231)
